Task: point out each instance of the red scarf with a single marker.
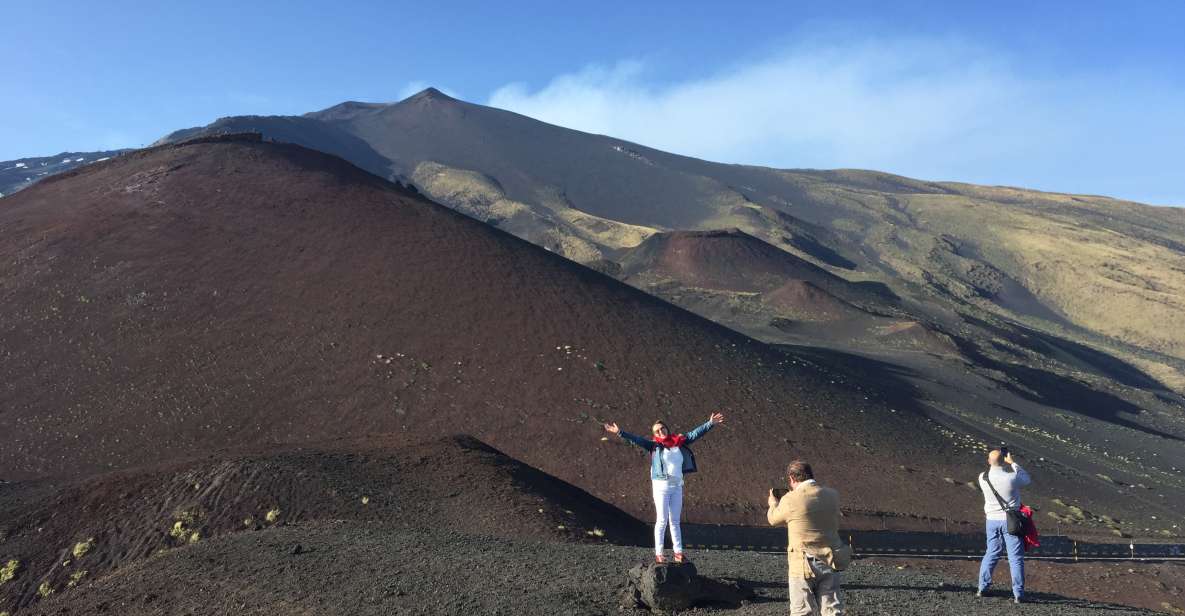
(670, 442)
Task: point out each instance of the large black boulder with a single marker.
(672, 587)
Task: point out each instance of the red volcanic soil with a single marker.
(184, 299)
(727, 260)
(731, 260)
(808, 302)
(455, 483)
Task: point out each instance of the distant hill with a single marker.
(23, 172)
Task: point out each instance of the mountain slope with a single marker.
(1024, 256)
(186, 299)
(980, 339)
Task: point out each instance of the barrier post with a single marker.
(1075, 551)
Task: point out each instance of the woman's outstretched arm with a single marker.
(633, 438)
(716, 418)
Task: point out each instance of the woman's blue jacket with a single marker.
(656, 469)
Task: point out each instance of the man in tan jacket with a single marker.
(814, 551)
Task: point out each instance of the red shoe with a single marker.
(679, 557)
(659, 558)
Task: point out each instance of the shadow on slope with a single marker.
(1062, 392)
(1072, 353)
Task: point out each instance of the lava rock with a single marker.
(671, 587)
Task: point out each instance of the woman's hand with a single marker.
(717, 418)
(612, 428)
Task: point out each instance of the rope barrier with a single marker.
(922, 544)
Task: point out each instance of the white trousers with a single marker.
(668, 509)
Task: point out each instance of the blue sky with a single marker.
(1076, 96)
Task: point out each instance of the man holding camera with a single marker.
(814, 552)
(1001, 494)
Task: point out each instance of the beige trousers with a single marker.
(817, 596)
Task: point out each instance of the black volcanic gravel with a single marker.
(360, 568)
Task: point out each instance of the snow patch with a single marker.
(103, 159)
(78, 160)
(65, 160)
(19, 166)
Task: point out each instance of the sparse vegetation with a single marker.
(272, 516)
(82, 547)
(76, 577)
(187, 524)
(45, 589)
(9, 570)
(178, 531)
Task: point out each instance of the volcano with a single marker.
(230, 292)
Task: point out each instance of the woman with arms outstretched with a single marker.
(670, 460)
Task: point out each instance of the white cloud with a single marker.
(936, 109)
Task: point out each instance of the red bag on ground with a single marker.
(1030, 537)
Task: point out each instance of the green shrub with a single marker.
(82, 547)
(76, 577)
(9, 570)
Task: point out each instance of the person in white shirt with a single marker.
(1007, 477)
(670, 460)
